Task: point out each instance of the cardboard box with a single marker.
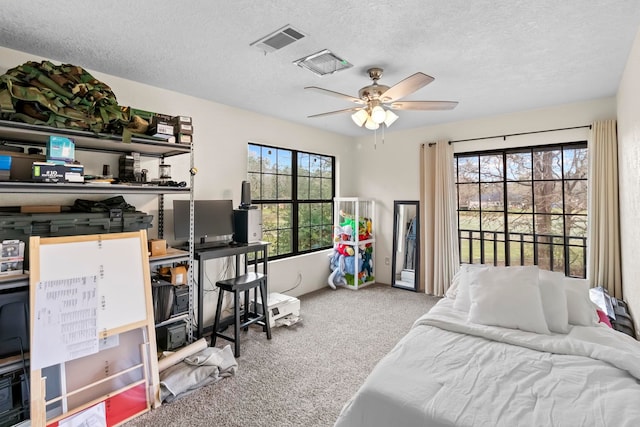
(60, 150)
(177, 120)
(162, 129)
(178, 275)
(51, 172)
(21, 164)
(160, 126)
(157, 247)
(166, 118)
(184, 128)
(184, 138)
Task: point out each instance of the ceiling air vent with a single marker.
(278, 39)
(323, 63)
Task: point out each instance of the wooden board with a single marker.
(92, 325)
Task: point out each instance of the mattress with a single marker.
(449, 372)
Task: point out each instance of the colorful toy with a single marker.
(336, 264)
(345, 250)
(342, 260)
(367, 262)
(342, 233)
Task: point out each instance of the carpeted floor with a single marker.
(308, 371)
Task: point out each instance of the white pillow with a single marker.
(581, 310)
(467, 271)
(508, 297)
(554, 300)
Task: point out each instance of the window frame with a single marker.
(295, 201)
(480, 236)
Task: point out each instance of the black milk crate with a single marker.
(22, 226)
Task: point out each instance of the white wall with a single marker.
(387, 172)
(390, 171)
(629, 179)
(221, 134)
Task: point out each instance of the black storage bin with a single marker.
(23, 226)
(14, 322)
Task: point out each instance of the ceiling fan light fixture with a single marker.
(375, 101)
(371, 125)
(390, 118)
(360, 117)
(378, 114)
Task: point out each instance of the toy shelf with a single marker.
(353, 261)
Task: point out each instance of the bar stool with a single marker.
(242, 318)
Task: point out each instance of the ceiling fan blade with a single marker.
(336, 94)
(423, 105)
(406, 87)
(348, 110)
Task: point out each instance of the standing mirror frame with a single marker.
(405, 265)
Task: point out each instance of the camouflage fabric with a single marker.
(63, 96)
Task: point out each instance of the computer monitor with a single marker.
(212, 221)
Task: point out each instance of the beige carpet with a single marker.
(306, 373)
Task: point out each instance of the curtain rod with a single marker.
(504, 137)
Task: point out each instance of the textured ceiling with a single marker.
(492, 57)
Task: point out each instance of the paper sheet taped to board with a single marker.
(94, 416)
(118, 265)
(66, 312)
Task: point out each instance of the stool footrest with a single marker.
(244, 325)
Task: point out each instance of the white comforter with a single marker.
(447, 371)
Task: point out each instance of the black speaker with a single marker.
(245, 198)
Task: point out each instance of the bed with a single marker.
(489, 365)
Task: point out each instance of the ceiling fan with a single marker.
(374, 98)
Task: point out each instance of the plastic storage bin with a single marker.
(22, 226)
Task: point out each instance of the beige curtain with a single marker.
(603, 230)
(439, 228)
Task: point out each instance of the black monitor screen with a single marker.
(212, 220)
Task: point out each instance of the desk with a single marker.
(202, 255)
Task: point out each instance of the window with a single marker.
(295, 191)
(524, 206)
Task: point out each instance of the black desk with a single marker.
(260, 249)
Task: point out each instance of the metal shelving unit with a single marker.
(22, 134)
(71, 188)
(36, 135)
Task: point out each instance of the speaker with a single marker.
(247, 225)
(245, 197)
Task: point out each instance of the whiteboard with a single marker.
(86, 285)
